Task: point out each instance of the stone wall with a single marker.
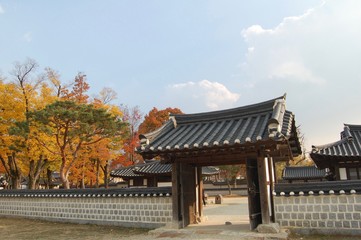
(322, 213)
(129, 208)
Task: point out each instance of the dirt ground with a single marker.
(21, 229)
(26, 229)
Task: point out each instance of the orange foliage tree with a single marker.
(156, 118)
(44, 123)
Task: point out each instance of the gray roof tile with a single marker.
(262, 121)
(303, 173)
(153, 167)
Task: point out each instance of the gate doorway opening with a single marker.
(225, 200)
(215, 207)
(232, 211)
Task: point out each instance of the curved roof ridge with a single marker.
(317, 148)
(352, 126)
(156, 132)
(227, 113)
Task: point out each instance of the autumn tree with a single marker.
(78, 93)
(20, 96)
(73, 126)
(132, 116)
(11, 110)
(35, 95)
(58, 89)
(156, 118)
(103, 154)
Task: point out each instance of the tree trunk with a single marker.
(82, 183)
(97, 173)
(14, 172)
(35, 171)
(105, 170)
(64, 172)
(15, 182)
(229, 187)
(64, 179)
(49, 178)
(31, 181)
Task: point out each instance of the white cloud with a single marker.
(1, 9)
(197, 96)
(316, 59)
(28, 37)
(294, 71)
(314, 47)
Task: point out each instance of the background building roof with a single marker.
(154, 167)
(349, 146)
(303, 173)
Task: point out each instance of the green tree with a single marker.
(71, 127)
(230, 173)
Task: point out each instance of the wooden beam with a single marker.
(275, 147)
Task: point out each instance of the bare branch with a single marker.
(107, 95)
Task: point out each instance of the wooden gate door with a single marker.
(254, 201)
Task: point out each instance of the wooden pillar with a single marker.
(176, 195)
(262, 176)
(188, 194)
(254, 202)
(272, 176)
(200, 191)
(274, 172)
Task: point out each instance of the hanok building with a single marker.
(149, 174)
(257, 135)
(152, 173)
(343, 157)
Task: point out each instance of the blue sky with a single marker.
(200, 55)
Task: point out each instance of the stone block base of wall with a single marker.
(320, 214)
(146, 211)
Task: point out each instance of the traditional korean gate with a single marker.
(254, 200)
(253, 134)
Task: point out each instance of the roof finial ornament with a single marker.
(173, 120)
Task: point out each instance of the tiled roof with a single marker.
(124, 172)
(303, 173)
(248, 124)
(210, 170)
(89, 192)
(318, 188)
(154, 167)
(348, 146)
